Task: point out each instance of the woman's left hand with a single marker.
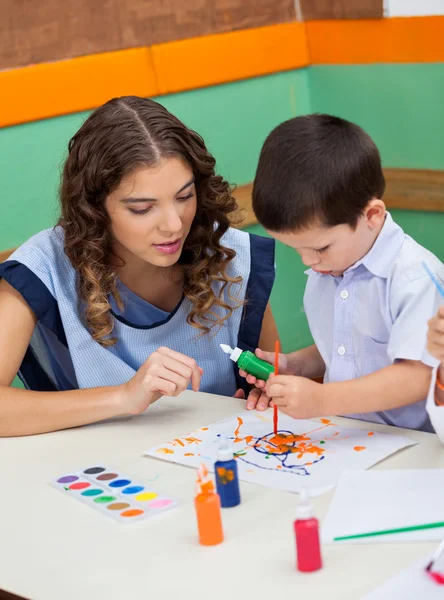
(256, 399)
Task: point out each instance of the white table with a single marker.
(55, 548)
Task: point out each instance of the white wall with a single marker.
(410, 8)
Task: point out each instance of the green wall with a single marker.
(399, 105)
(234, 120)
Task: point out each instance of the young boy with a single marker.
(318, 189)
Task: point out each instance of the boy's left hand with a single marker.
(256, 399)
(297, 397)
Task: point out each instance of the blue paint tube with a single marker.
(227, 480)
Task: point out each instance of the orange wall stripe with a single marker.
(52, 89)
(390, 40)
(214, 59)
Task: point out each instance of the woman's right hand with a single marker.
(268, 357)
(164, 373)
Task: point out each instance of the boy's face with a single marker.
(333, 250)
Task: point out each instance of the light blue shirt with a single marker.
(375, 314)
(62, 353)
(136, 310)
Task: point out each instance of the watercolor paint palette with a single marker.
(113, 494)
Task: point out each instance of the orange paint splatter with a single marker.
(164, 451)
(204, 428)
(193, 440)
(240, 422)
(320, 428)
(279, 466)
(326, 421)
(370, 433)
(291, 444)
(177, 441)
(249, 471)
(359, 448)
(189, 454)
(309, 464)
(225, 475)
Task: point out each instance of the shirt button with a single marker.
(341, 350)
(344, 294)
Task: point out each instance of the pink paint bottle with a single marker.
(306, 529)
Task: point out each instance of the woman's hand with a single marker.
(164, 373)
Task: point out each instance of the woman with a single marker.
(129, 297)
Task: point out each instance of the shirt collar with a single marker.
(381, 255)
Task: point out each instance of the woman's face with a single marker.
(152, 211)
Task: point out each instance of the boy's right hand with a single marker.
(268, 357)
(435, 338)
(164, 373)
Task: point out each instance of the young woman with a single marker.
(129, 297)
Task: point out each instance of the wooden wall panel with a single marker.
(341, 9)
(48, 30)
(153, 21)
(146, 22)
(35, 31)
(243, 14)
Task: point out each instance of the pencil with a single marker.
(390, 531)
(276, 372)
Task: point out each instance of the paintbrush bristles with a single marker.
(436, 555)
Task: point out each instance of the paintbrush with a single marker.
(436, 556)
(389, 531)
(433, 278)
(276, 372)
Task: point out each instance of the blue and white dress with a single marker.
(62, 355)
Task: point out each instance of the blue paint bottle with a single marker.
(227, 481)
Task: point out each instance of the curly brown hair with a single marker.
(122, 135)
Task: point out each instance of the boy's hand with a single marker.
(268, 357)
(256, 399)
(297, 397)
(435, 339)
(435, 336)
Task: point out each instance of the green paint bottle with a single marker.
(249, 362)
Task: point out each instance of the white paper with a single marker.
(379, 500)
(412, 583)
(314, 459)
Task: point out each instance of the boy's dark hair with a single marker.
(316, 168)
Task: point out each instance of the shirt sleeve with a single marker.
(436, 413)
(411, 308)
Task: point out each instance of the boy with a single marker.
(318, 189)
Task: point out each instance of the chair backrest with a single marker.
(5, 254)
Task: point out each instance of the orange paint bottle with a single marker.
(207, 503)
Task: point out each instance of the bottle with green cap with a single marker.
(249, 362)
